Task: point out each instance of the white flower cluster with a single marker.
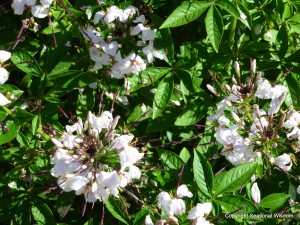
(4, 56)
(176, 207)
(244, 128)
(126, 33)
(38, 10)
(92, 159)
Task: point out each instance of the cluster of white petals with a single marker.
(199, 213)
(109, 51)
(171, 206)
(276, 94)
(39, 10)
(247, 121)
(4, 56)
(92, 159)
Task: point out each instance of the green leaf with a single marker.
(162, 122)
(214, 26)
(235, 178)
(163, 94)
(203, 173)
(185, 155)
(147, 77)
(229, 7)
(139, 113)
(42, 213)
(139, 218)
(274, 200)
(282, 42)
(85, 102)
(36, 123)
(185, 13)
(72, 79)
(170, 160)
(53, 55)
(8, 133)
(116, 210)
(26, 62)
(191, 116)
(231, 203)
(64, 203)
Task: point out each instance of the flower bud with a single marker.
(227, 87)
(235, 117)
(212, 89)
(255, 193)
(253, 67)
(233, 80)
(237, 68)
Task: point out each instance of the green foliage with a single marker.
(52, 83)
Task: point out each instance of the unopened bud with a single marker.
(237, 68)
(258, 154)
(233, 80)
(173, 220)
(258, 79)
(255, 193)
(212, 89)
(228, 103)
(227, 87)
(235, 117)
(275, 145)
(253, 66)
(161, 222)
(84, 167)
(271, 159)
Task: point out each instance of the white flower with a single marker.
(283, 162)
(298, 189)
(86, 154)
(3, 75)
(171, 206)
(293, 123)
(148, 220)
(263, 89)
(4, 56)
(293, 192)
(3, 100)
(268, 35)
(150, 52)
(99, 123)
(255, 193)
(19, 5)
(183, 191)
(131, 64)
(242, 15)
(98, 15)
(39, 11)
(129, 156)
(200, 210)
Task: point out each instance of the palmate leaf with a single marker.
(185, 13)
(214, 27)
